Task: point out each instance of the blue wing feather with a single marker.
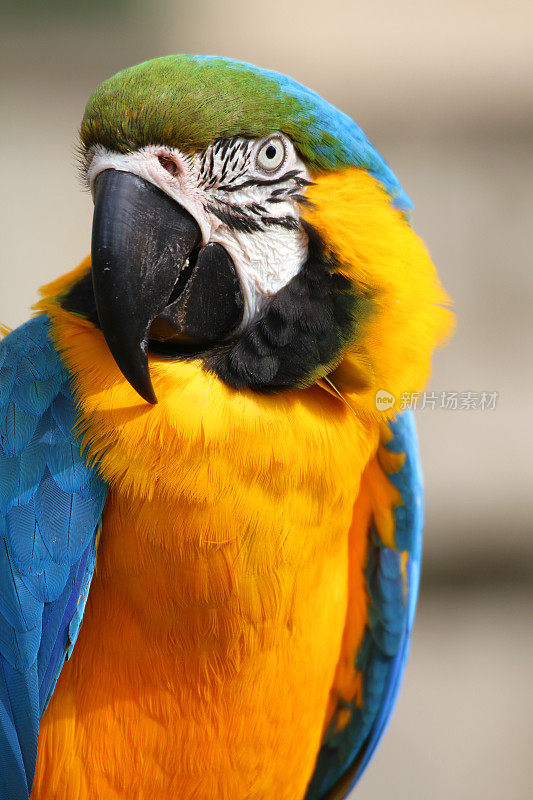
(345, 753)
(50, 507)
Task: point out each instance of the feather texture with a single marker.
(50, 504)
(249, 502)
(391, 576)
(257, 566)
(175, 100)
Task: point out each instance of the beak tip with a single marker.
(137, 372)
(147, 393)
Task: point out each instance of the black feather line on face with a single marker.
(289, 223)
(203, 165)
(236, 221)
(224, 147)
(224, 171)
(211, 168)
(302, 200)
(240, 218)
(291, 174)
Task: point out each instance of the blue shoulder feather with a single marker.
(50, 507)
(345, 753)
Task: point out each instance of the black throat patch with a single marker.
(303, 333)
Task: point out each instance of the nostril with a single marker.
(169, 164)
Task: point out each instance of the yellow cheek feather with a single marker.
(378, 251)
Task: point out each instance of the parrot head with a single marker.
(241, 220)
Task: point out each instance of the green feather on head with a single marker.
(188, 102)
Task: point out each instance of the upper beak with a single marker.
(141, 240)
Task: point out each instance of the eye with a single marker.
(271, 155)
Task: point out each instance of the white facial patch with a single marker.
(245, 195)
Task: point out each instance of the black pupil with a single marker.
(270, 152)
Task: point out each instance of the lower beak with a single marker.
(141, 243)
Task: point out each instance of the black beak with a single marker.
(141, 243)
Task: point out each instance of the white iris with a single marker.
(271, 154)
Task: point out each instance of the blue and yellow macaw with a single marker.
(203, 455)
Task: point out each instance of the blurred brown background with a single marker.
(444, 91)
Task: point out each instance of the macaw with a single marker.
(205, 456)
